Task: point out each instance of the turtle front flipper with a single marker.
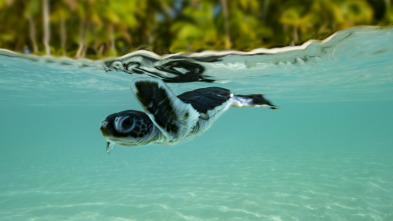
(172, 116)
(109, 146)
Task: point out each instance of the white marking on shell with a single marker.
(208, 119)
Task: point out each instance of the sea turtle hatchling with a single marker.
(169, 119)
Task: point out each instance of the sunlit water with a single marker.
(326, 154)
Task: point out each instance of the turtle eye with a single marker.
(124, 124)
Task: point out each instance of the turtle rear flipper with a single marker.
(172, 116)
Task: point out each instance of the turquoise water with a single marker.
(326, 154)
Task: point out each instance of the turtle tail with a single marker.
(251, 100)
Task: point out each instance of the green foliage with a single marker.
(100, 28)
(197, 31)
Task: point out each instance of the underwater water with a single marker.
(326, 154)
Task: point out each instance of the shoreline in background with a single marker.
(206, 53)
(101, 29)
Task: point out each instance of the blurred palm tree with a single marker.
(31, 10)
(62, 14)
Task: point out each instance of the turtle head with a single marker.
(127, 128)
